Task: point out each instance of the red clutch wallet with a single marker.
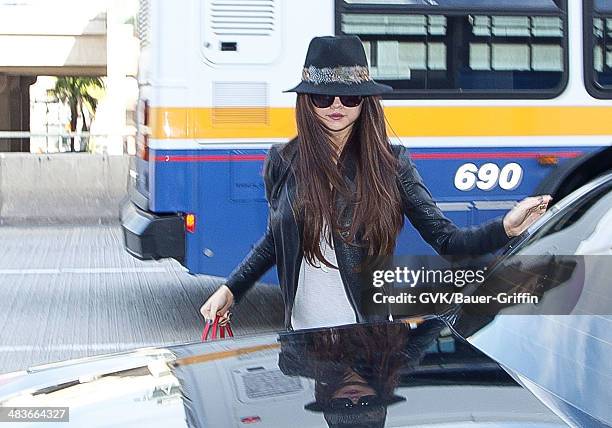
(216, 330)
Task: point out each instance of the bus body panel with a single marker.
(224, 189)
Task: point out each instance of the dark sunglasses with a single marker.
(347, 403)
(324, 101)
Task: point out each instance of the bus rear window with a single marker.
(499, 51)
(598, 47)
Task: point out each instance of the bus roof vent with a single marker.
(241, 31)
(143, 22)
(246, 17)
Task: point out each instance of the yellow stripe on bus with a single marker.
(463, 121)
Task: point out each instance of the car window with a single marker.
(577, 229)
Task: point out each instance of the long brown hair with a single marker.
(376, 202)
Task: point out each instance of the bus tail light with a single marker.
(190, 223)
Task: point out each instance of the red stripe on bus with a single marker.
(209, 158)
(422, 156)
(493, 155)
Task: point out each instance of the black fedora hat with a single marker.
(337, 65)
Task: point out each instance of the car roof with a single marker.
(432, 376)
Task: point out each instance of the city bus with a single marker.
(491, 97)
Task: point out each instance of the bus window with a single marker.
(598, 47)
(499, 49)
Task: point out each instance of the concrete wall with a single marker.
(63, 188)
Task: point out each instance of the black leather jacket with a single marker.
(282, 242)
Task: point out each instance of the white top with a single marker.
(320, 299)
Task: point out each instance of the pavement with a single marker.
(69, 291)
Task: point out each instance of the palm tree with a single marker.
(78, 93)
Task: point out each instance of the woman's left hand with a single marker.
(525, 213)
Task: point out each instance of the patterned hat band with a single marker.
(341, 74)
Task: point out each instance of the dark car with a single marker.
(402, 374)
(521, 366)
(561, 348)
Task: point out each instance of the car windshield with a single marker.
(578, 228)
(565, 262)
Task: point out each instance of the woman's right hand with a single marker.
(218, 304)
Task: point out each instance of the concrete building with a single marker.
(66, 37)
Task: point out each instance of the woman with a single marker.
(337, 195)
